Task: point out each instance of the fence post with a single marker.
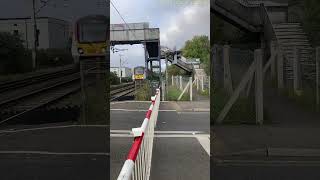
(280, 69)
(202, 89)
(180, 83)
(296, 71)
(226, 66)
(177, 81)
(197, 82)
(163, 90)
(190, 82)
(317, 76)
(273, 65)
(172, 82)
(209, 85)
(258, 58)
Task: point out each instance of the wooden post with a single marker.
(172, 82)
(296, 71)
(273, 62)
(236, 93)
(180, 83)
(190, 82)
(280, 69)
(317, 76)
(202, 88)
(258, 58)
(209, 85)
(177, 81)
(197, 80)
(227, 72)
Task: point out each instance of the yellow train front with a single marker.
(139, 73)
(91, 36)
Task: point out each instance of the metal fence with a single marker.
(240, 83)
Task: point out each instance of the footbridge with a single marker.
(176, 59)
(269, 20)
(139, 33)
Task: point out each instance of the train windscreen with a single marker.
(139, 71)
(92, 32)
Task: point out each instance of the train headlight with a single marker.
(103, 50)
(80, 50)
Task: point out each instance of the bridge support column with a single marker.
(280, 69)
(273, 62)
(226, 66)
(296, 72)
(146, 57)
(258, 58)
(318, 76)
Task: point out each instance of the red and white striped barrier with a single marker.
(138, 163)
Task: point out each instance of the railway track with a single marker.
(35, 78)
(118, 91)
(23, 96)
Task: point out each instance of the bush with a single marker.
(174, 93)
(14, 58)
(126, 79)
(114, 79)
(53, 57)
(143, 93)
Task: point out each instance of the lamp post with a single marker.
(120, 68)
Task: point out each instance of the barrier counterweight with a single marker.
(138, 163)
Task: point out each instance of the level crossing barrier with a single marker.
(138, 163)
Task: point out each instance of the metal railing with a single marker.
(138, 163)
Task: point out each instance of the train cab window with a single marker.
(92, 32)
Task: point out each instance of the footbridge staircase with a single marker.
(176, 59)
(270, 21)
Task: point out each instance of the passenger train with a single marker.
(90, 36)
(139, 73)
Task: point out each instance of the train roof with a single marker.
(94, 16)
(139, 67)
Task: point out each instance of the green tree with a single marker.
(311, 20)
(174, 71)
(14, 58)
(198, 47)
(114, 79)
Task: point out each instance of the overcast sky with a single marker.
(178, 20)
(62, 9)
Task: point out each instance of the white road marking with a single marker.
(122, 102)
(161, 132)
(142, 110)
(164, 135)
(205, 142)
(51, 127)
(204, 139)
(55, 153)
(230, 162)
